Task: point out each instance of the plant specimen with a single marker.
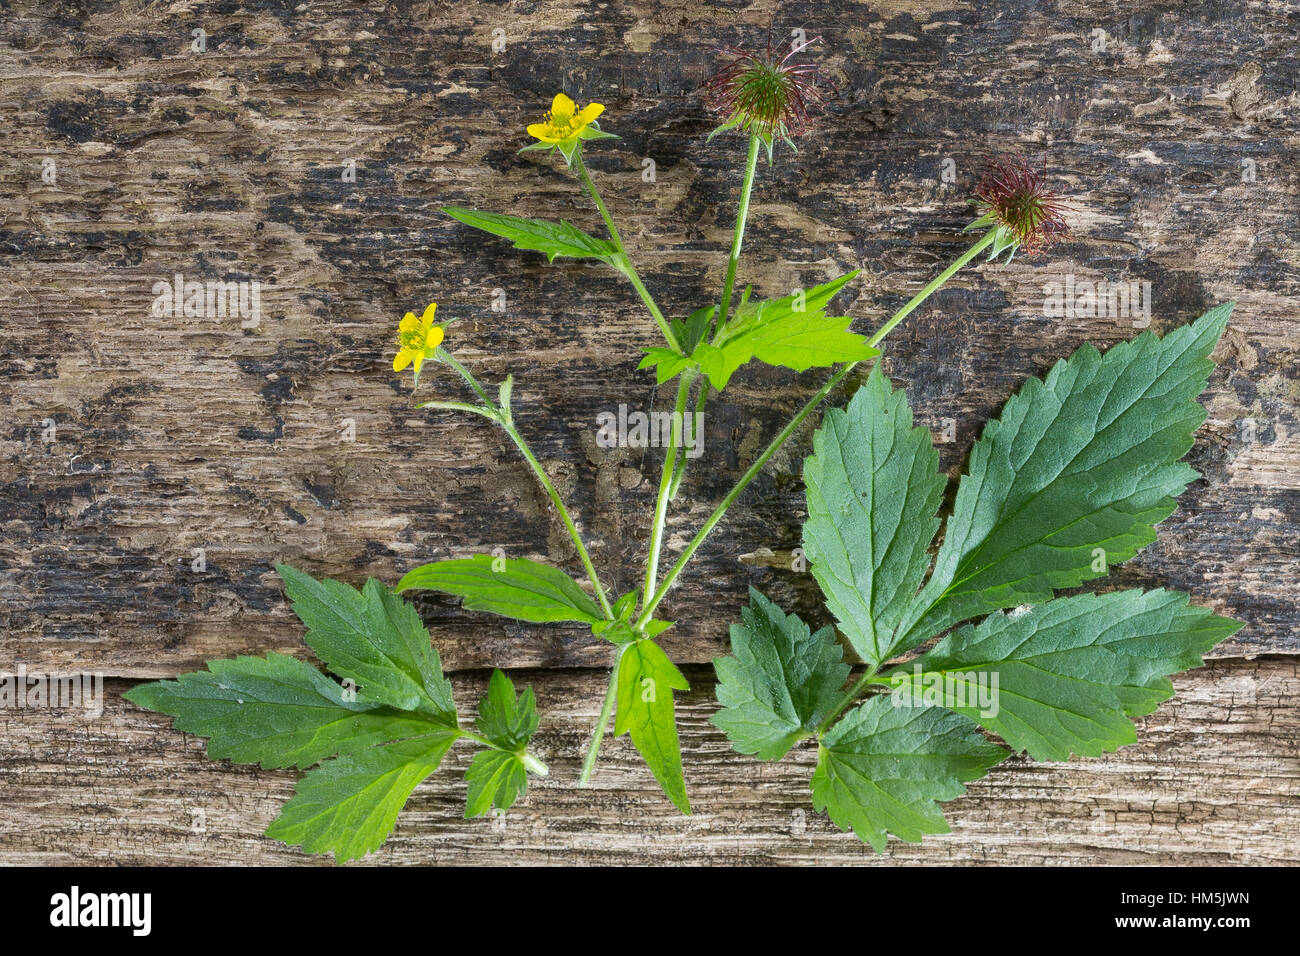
(1070, 479)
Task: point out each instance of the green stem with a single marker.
(738, 239)
(505, 419)
(666, 483)
(602, 722)
(785, 433)
(627, 268)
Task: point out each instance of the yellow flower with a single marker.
(565, 121)
(418, 338)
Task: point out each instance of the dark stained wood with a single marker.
(1177, 141)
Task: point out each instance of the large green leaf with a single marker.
(1073, 476)
(347, 806)
(883, 768)
(511, 587)
(1066, 676)
(646, 681)
(277, 711)
(552, 238)
(374, 638)
(781, 683)
(873, 490)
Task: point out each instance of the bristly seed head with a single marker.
(1012, 195)
(765, 96)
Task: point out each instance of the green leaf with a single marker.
(792, 332)
(646, 681)
(781, 683)
(1066, 676)
(666, 363)
(554, 239)
(347, 806)
(873, 490)
(512, 587)
(374, 638)
(506, 720)
(495, 779)
(884, 768)
(499, 777)
(1073, 476)
(277, 711)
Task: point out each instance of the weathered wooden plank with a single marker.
(172, 435)
(1211, 781)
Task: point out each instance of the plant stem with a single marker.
(627, 268)
(505, 419)
(742, 215)
(666, 483)
(785, 433)
(602, 722)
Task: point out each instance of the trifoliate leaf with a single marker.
(646, 681)
(552, 238)
(512, 587)
(347, 806)
(1067, 676)
(374, 638)
(781, 683)
(495, 779)
(884, 768)
(873, 490)
(1073, 476)
(277, 711)
(506, 720)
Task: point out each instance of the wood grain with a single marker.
(1177, 141)
(1211, 781)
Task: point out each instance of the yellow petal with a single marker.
(403, 359)
(435, 338)
(419, 360)
(589, 113)
(544, 132)
(426, 320)
(408, 323)
(562, 107)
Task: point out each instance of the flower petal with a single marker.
(426, 320)
(436, 335)
(402, 360)
(544, 132)
(589, 113)
(419, 360)
(562, 107)
(408, 323)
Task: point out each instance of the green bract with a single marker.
(1071, 478)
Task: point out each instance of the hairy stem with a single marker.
(602, 722)
(627, 268)
(505, 419)
(666, 483)
(783, 436)
(738, 239)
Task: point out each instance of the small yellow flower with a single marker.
(565, 121)
(418, 338)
